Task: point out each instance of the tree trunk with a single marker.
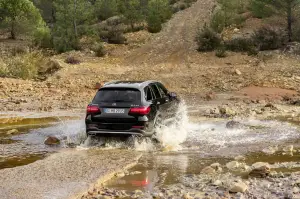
(289, 20)
(13, 30)
(74, 20)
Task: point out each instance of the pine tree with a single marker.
(71, 16)
(20, 16)
(159, 12)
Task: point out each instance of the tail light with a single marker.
(92, 109)
(140, 110)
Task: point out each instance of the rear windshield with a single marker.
(117, 95)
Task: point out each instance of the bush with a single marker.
(268, 38)
(221, 52)
(260, 9)
(99, 49)
(24, 66)
(240, 44)
(72, 60)
(42, 37)
(154, 23)
(207, 39)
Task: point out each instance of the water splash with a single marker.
(173, 135)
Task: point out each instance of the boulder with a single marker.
(233, 124)
(260, 164)
(208, 170)
(260, 172)
(232, 165)
(238, 187)
(12, 131)
(51, 140)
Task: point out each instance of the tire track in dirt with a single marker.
(177, 39)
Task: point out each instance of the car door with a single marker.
(166, 100)
(160, 101)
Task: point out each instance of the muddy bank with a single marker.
(63, 174)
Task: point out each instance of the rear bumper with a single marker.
(104, 132)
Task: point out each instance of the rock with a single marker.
(120, 175)
(269, 105)
(270, 150)
(233, 124)
(12, 131)
(225, 111)
(208, 170)
(240, 158)
(215, 165)
(260, 164)
(289, 148)
(186, 196)
(135, 173)
(217, 183)
(260, 172)
(296, 190)
(238, 187)
(51, 140)
(232, 165)
(238, 72)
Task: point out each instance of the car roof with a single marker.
(129, 84)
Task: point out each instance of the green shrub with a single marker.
(116, 37)
(154, 23)
(24, 66)
(296, 32)
(240, 44)
(268, 38)
(42, 37)
(260, 9)
(99, 49)
(207, 39)
(221, 52)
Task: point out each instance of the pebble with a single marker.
(238, 187)
(208, 170)
(232, 165)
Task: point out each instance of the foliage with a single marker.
(132, 12)
(42, 37)
(99, 49)
(72, 60)
(240, 44)
(105, 9)
(268, 38)
(159, 11)
(20, 16)
(221, 52)
(228, 14)
(207, 39)
(70, 15)
(23, 66)
(260, 9)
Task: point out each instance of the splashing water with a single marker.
(171, 136)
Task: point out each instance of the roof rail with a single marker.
(111, 82)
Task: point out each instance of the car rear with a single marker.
(117, 111)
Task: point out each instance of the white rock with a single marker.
(217, 183)
(215, 165)
(260, 164)
(232, 165)
(296, 190)
(238, 187)
(12, 131)
(135, 173)
(120, 175)
(289, 148)
(240, 158)
(238, 72)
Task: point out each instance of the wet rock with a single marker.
(260, 172)
(233, 124)
(260, 164)
(240, 158)
(208, 170)
(12, 131)
(289, 148)
(135, 173)
(51, 140)
(232, 165)
(238, 187)
(270, 150)
(120, 174)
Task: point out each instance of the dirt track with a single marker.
(63, 174)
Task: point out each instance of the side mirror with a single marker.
(172, 95)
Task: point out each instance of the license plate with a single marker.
(113, 110)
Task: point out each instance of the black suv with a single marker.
(130, 108)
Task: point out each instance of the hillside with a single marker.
(169, 56)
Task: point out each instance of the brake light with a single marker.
(140, 110)
(92, 109)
